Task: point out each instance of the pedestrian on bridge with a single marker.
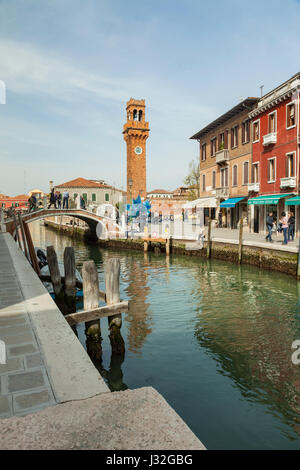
(58, 199)
(65, 200)
(52, 199)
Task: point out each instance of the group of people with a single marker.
(56, 198)
(286, 226)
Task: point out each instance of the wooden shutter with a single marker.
(226, 139)
(243, 132)
(287, 166)
(269, 163)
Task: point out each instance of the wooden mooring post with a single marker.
(55, 274)
(23, 235)
(208, 249)
(240, 241)
(70, 279)
(31, 250)
(112, 284)
(90, 302)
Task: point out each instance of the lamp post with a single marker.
(130, 186)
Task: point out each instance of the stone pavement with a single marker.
(135, 419)
(24, 383)
(45, 362)
(254, 239)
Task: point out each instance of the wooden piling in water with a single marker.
(168, 247)
(31, 250)
(70, 279)
(112, 284)
(17, 230)
(55, 274)
(240, 241)
(23, 235)
(91, 301)
(208, 249)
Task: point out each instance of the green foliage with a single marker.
(192, 180)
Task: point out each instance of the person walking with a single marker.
(52, 199)
(220, 219)
(32, 203)
(270, 224)
(291, 223)
(65, 200)
(285, 227)
(59, 200)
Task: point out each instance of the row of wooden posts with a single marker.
(65, 295)
(240, 247)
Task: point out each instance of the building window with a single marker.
(256, 131)
(234, 175)
(203, 182)
(246, 172)
(290, 115)
(234, 137)
(224, 177)
(290, 165)
(255, 173)
(272, 122)
(75, 196)
(271, 170)
(203, 152)
(3, 205)
(213, 146)
(85, 196)
(246, 132)
(106, 197)
(93, 197)
(222, 141)
(214, 180)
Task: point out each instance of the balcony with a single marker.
(270, 139)
(222, 192)
(253, 187)
(222, 156)
(289, 182)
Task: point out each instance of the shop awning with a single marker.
(201, 202)
(293, 201)
(269, 199)
(231, 202)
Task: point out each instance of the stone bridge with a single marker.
(106, 227)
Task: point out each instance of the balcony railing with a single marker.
(289, 182)
(253, 187)
(222, 156)
(270, 138)
(222, 192)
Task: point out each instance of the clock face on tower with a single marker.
(138, 150)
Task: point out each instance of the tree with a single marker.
(192, 180)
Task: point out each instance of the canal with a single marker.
(213, 338)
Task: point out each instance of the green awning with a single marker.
(293, 201)
(269, 199)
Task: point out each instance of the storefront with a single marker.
(261, 206)
(205, 208)
(234, 208)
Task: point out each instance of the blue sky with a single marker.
(71, 65)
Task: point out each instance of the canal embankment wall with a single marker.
(281, 259)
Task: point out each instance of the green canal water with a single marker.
(213, 338)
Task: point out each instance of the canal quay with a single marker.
(51, 394)
(211, 337)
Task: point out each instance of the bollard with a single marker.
(70, 279)
(240, 241)
(112, 284)
(55, 275)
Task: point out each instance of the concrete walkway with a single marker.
(253, 239)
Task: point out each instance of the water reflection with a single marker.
(214, 338)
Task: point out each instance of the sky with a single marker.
(70, 66)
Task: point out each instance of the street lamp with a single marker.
(130, 186)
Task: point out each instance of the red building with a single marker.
(275, 153)
(17, 202)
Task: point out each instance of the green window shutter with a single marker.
(85, 196)
(93, 197)
(106, 197)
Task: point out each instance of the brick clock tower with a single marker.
(136, 132)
